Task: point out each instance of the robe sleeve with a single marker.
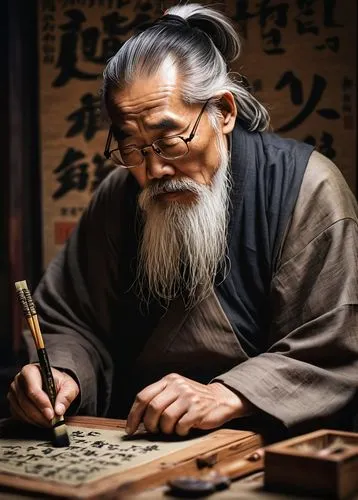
(309, 369)
(73, 300)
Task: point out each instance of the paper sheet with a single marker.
(92, 454)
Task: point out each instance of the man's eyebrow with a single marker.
(166, 123)
(119, 133)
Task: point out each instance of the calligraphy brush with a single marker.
(28, 308)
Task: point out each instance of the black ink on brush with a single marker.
(28, 307)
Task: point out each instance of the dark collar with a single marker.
(242, 155)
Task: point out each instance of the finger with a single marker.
(191, 419)
(171, 416)
(29, 382)
(68, 390)
(37, 415)
(156, 407)
(140, 404)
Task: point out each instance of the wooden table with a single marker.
(201, 454)
(250, 487)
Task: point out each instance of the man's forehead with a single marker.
(157, 109)
(121, 104)
(146, 93)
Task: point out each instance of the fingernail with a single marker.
(49, 414)
(60, 409)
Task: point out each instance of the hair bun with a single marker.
(214, 24)
(175, 20)
(219, 36)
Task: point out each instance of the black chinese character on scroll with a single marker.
(48, 29)
(48, 53)
(86, 118)
(242, 15)
(72, 173)
(332, 42)
(48, 22)
(73, 212)
(68, 50)
(102, 168)
(319, 84)
(110, 43)
(305, 23)
(256, 85)
(348, 89)
(48, 38)
(272, 18)
(114, 25)
(328, 16)
(97, 46)
(304, 19)
(325, 146)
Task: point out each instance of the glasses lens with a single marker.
(171, 147)
(126, 158)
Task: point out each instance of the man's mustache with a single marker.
(161, 186)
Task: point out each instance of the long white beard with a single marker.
(183, 245)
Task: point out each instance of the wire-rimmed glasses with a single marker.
(170, 148)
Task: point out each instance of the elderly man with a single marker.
(214, 273)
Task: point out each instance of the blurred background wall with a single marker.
(298, 57)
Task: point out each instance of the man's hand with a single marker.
(178, 404)
(30, 403)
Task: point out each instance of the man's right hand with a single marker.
(30, 403)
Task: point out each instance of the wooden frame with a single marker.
(216, 447)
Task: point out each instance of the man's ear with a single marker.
(227, 107)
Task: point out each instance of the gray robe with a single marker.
(308, 368)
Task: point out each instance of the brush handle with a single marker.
(29, 301)
(23, 302)
(60, 433)
(47, 376)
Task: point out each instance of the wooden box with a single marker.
(323, 463)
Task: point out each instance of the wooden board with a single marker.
(206, 449)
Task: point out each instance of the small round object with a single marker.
(191, 486)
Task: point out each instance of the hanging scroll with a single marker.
(75, 41)
(299, 58)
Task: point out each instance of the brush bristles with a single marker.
(61, 437)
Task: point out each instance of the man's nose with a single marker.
(156, 166)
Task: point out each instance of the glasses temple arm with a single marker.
(107, 152)
(193, 132)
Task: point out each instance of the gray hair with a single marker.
(202, 42)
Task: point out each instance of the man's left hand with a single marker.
(176, 404)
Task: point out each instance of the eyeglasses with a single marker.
(170, 148)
